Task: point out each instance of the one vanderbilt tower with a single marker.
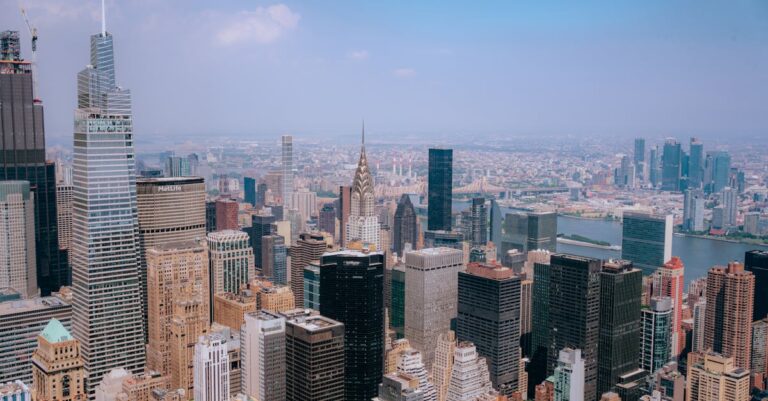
(107, 316)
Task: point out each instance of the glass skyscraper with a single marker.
(646, 240)
(671, 166)
(440, 189)
(287, 159)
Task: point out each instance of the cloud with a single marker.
(358, 55)
(263, 25)
(404, 72)
(51, 10)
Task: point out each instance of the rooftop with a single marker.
(55, 332)
(30, 305)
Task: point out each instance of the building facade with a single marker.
(655, 338)
(57, 369)
(211, 369)
(309, 247)
(405, 226)
(713, 377)
(646, 240)
(231, 261)
(756, 262)
(263, 353)
(440, 189)
(18, 266)
(363, 224)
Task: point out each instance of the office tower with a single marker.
(326, 221)
(540, 336)
(107, 309)
(229, 309)
(752, 223)
(210, 216)
(440, 189)
(696, 164)
(275, 298)
(443, 363)
(469, 377)
(570, 376)
(730, 203)
(639, 158)
(619, 339)
(57, 369)
(311, 286)
(574, 311)
(671, 165)
(478, 234)
(646, 240)
(64, 214)
(261, 225)
(489, 316)
(430, 296)
(449, 239)
(345, 197)
(233, 353)
(314, 357)
(249, 190)
(211, 369)
(719, 170)
(406, 230)
(18, 268)
(759, 361)
(542, 231)
(22, 158)
(231, 261)
(693, 210)
(756, 262)
(274, 258)
(399, 387)
(171, 210)
(713, 377)
(13, 391)
(305, 202)
(410, 363)
(526, 315)
(263, 352)
(287, 168)
(309, 247)
(351, 292)
(190, 319)
(177, 275)
(261, 195)
(669, 382)
(719, 219)
(728, 321)
(177, 166)
(624, 175)
(397, 302)
(671, 282)
(226, 214)
(496, 223)
(654, 170)
(699, 324)
(363, 224)
(655, 343)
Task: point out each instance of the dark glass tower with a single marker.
(757, 262)
(696, 164)
(671, 166)
(352, 292)
(210, 216)
(537, 368)
(440, 189)
(478, 223)
(574, 313)
(22, 157)
(261, 195)
(261, 225)
(646, 240)
(639, 157)
(405, 230)
(249, 189)
(542, 231)
(621, 286)
(489, 316)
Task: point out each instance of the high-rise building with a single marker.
(752, 223)
(713, 377)
(478, 234)
(64, 214)
(211, 369)
(730, 203)
(529, 231)
(351, 292)
(229, 309)
(526, 315)
(287, 169)
(671, 280)
(646, 240)
(177, 166)
(171, 210)
(443, 363)
(540, 335)
(20, 323)
(696, 164)
(312, 286)
(693, 210)
(410, 363)
(231, 261)
(639, 158)
(305, 202)
(399, 387)
(430, 296)
(345, 197)
(569, 376)
(261, 195)
(274, 258)
(314, 357)
(655, 344)
(728, 321)
(469, 377)
(756, 261)
(226, 214)
(440, 189)
(309, 247)
(496, 222)
(106, 280)
(395, 350)
(326, 221)
(263, 352)
(249, 190)
(574, 313)
(190, 320)
(621, 287)
(261, 226)
(210, 216)
(397, 300)
(177, 275)
(57, 369)
(699, 324)
(405, 227)
(449, 239)
(718, 170)
(489, 316)
(624, 175)
(671, 165)
(759, 362)
(363, 224)
(22, 158)
(18, 267)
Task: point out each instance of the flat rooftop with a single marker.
(30, 305)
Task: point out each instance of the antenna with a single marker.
(363, 132)
(103, 19)
(33, 33)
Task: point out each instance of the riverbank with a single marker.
(746, 241)
(588, 244)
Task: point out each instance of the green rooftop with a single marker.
(55, 332)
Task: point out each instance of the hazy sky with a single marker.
(258, 68)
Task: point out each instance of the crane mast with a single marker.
(33, 34)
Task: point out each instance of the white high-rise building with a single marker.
(262, 350)
(569, 376)
(363, 224)
(211, 369)
(430, 296)
(305, 202)
(443, 363)
(470, 378)
(18, 266)
(410, 363)
(699, 314)
(287, 173)
(106, 312)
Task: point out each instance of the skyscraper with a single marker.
(654, 171)
(430, 296)
(672, 281)
(569, 376)
(249, 190)
(22, 158)
(210, 216)
(621, 288)
(440, 189)
(211, 369)
(261, 225)
(345, 198)
(730, 203)
(363, 224)
(226, 214)
(540, 335)
(478, 234)
(64, 214)
(287, 169)
(263, 353)
(693, 210)
(699, 324)
(309, 247)
(57, 369)
(18, 268)
(489, 316)
(274, 257)
(646, 240)
(542, 231)
(671, 165)
(713, 377)
(759, 362)
(469, 377)
(574, 313)
(177, 166)
(351, 292)
(231, 261)
(639, 158)
(655, 345)
(696, 164)
(106, 280)
(443, 363)
(327, 219)
(718, 171)
(405, 227)
(756, 261)
(728, 322)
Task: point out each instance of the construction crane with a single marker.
(33, 33)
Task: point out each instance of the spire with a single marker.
(363, 132)
(103, 19)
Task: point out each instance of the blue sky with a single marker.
(254, 69)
